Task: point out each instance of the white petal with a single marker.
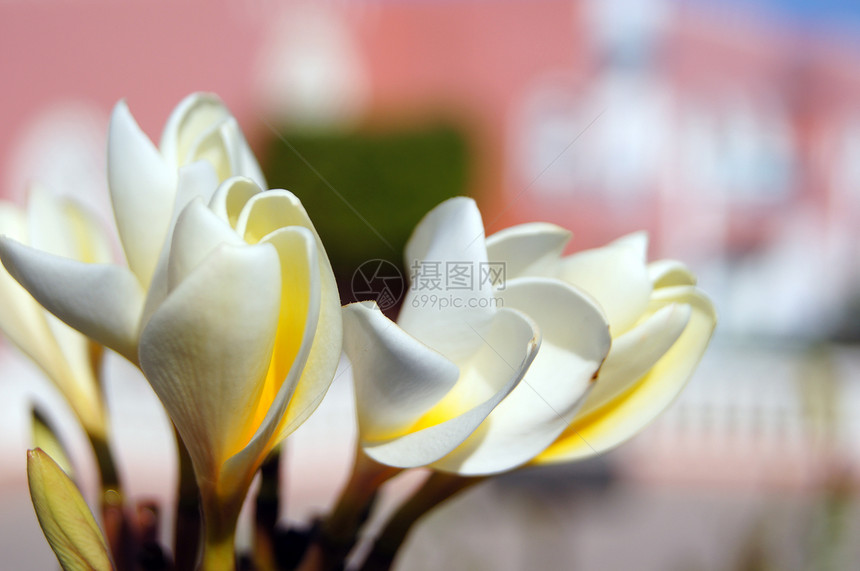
(626, 415)
(101, 301)
(198, 233)
(616, 276)
(196, 181)
(450, 236)
(635, 352)
(575, 340)
(211, 147)
(492, 373)
(324, 355)
(636, 240)
(300, 304)
(142, 190)
(13, 222)
(242, 159)
(264, 213)
(667, 273)
(195, 114)
(201, 127)
(62, 227)
(231, 197)
(47, 228)
(59, 226)
(452, 230)
(22, 319)
(297, 324)
(397, 378)
(92, 244)
(528, 249)
(206, 350)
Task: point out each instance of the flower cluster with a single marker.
(584, 352)
(228, 305)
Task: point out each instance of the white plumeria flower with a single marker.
(245, 343)
(660, 323)
(61, 227)
(229, 304)
(111, 303)
(430, 388)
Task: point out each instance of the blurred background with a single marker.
(729, 130)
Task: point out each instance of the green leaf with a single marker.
(66, 520)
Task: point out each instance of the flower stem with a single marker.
(95, 426)
(219, 552)
(186, 537)
(219, 524)
(106, 465)
(435, 490)
(338, 532)
(117, 530)
(266, 512)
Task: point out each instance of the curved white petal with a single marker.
(667, 273)
(575, 340)
(528, 249)
(196, 181)
(627, 414)
(230, 199)
(201, 127)
(48, 228)
(297, 324)
(262, 214)
(22, 319)
(60, 351)
(453, 230)
(240, 158)
(197, 234)
(450, 236)
(60, 226)
(211, 146)
(616, 276)
(101, 301)
(324, 356)
(265, 212)
(13, 222)
(300, 308)
(635, 352)
(142, 189)
(206, 350)
(397, 379)
(488, 377)
(636, 240)
(194, 115)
